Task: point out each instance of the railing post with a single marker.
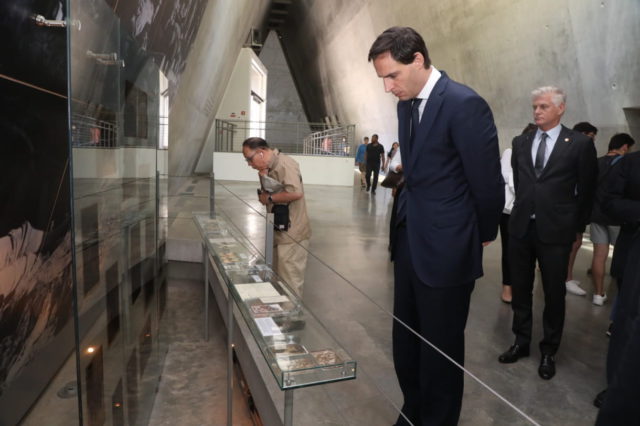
(212, 195)
(268, 244)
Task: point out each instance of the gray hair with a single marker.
(558, 95)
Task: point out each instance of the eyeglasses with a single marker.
(250, 158)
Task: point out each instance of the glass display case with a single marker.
(297, 348)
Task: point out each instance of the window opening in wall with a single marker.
(163, 113)
(135, 112)
(257, 125)
(258, 106)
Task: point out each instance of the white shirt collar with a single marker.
(431, 82)
(553, 133)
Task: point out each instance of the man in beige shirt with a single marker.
(282, 184)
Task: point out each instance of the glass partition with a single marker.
(118, 242)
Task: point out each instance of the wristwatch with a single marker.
(270, 199)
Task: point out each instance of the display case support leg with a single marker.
(212, 196)
(268, 249)
(229, 359)
(288, 407)
(205, 264)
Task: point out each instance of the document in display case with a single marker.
(297, 348)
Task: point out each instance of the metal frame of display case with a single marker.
(298, 350)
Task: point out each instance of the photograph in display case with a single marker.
(288, 324)
(283, 348)
(229, 257)
(266, 310)
(277, 306)
(296, 362)
(249, 291)
(326, 357)
(225, 244)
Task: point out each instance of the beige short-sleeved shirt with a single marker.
(285, 170)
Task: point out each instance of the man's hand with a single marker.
(264, 197)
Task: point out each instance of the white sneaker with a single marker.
(573, 287)
(599, 300)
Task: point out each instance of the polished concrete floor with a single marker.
(349, 288)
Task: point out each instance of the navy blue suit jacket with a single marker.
(453, 184)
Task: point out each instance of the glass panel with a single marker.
(119, 248)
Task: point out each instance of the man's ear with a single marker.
(418, 59)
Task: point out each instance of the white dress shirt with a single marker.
(395, 161)
(428, 88)
(507, 175)
(551, 142)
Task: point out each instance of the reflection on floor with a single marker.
(193, 387)
(349, 287)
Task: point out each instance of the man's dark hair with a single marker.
(402, 43)
(585, 127)
(255, 143)
(620, 139)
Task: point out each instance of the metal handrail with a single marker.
(291, 137)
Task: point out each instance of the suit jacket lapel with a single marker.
(527, 146)
(428, 117)
(562, 144)
(404, 121)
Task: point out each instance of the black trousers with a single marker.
(553, 260)
(431, 385)
(504, 239)
(375, 168)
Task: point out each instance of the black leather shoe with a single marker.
(547, 367)
(514, 353)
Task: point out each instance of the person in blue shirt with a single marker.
(361, 160)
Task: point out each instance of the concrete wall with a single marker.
(501, 48)
(249, 75)
(315, 170)
(223, 30)
(283, 101)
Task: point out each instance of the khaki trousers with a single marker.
(363, 172)
(290, 262)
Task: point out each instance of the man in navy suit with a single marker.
(554, 173)
(450, 207)
(622, 203)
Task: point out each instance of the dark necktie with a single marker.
(542, 149)
(401, 206)
(415, 120)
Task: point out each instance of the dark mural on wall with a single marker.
(165, 29)
(36, 327)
